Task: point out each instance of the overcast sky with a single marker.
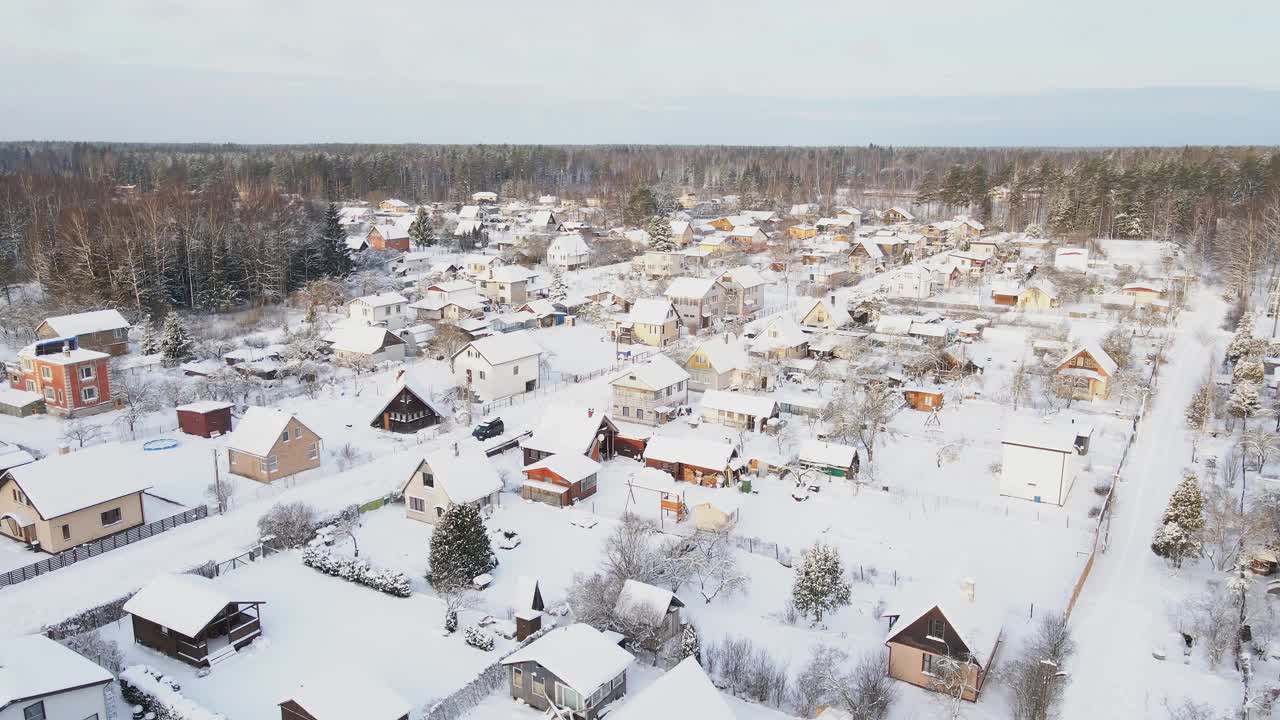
(1001, 72)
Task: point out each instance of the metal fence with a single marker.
(98, 547)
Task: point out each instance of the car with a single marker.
(488, 429)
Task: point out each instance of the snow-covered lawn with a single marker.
(14, 554)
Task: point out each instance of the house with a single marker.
(1040, 294)
(271, 444)
(206, 418)
(507, 285)
(697, 300)
(190, 619)
(497, 366)
(823, 315)
(74, 381)
(20, 403)
(466, 229)
(388, 236)
(1144, 292)
(41, 678)
(651, 321)
(11, 456)
(705, 462)
(417, 337)
(484, 197)
(448, 300)
(717, 364)
(944, 626)
(570, 430)
(683, 691)
(357, 346)
(742, 291)
(717, 517)
(1039, 461)
(681, 233)
(802, 231)
(922, 398)
(100, 330)
(355, 215)
(653, 608)
(1090, 369)
(560, 480)
(971, 263)
(446, 270)
(568, 252)
(344, 696)
(738, 410)
(1071, 258)
(456, 475)
(408, 408)
(896, 215)
(650, 393)
(393, 206)
(574, 669)
(387, 310)
(688, 201)
(749, 237)
(800, 210)
(1005, 294)
(841, 226)
(913, 282)
(478, 265)
(662, 264)
(63, 501)
(543, 221)
(834, 459)
(781, 338)
(865, 256)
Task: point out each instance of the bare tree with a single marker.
(138, 399)
(221, 490)
(1020, 387)
(713, 566)
(952, 678)
(1037, 676)
(81, 432)
(347, 524)
(871, 412)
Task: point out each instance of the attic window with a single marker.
(937, 629)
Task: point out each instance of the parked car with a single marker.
(488, 429)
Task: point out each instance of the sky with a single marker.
(803, 72)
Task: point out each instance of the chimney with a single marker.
(66, 349)
(969, 587)
(528, 622)
(591, 412)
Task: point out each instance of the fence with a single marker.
(756, 546)
(98, 547)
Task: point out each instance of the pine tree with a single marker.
(460, 548)
(641, 205)
(660, 234)
(1200, 409)
(148, 344)
(1249, 369)
(690, 645)
(559, 290)
(175, 341)
(1244, 402)
(1179, 533)
(335, 255)
(421, 231)
(820, 585)
(1242, 341)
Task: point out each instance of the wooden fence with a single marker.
(98, 547)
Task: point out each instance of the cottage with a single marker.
(698, 300)
(1038, 461)
(913, 282)
(802, 231)
(717, 364)
(484, 197)
(74, 381)
(742, 291)
(570, 430)
(497, 366)
(1072, 259)
(865, 256)
(344, 696)
(651, 321)
(477, 264)
(507, 285)
(655, 609)
(651, 393)
(718, 517)
(365, 346)
(560, 479)
(1005, 294)
(1039, 295)
(834, 459)
(705, 462)
(450, 300)
(748, 237)
(929, 631)
(568, 252)
(451, 476)
(387, 310)
(100, 330)
(543, 221)
(781, 338)
(683, 691)
(1145, 292)
(571, 669)
(189, 619)
(821, 314)
(922, 398)
(206, 418)
(409, 407)
(659, 264)
(393, 206)
(271, 444)
(40, 678)
(738, 410)
(389, 236)
(67, 500)
(898, 214)
(1090, 370)
(681, 233)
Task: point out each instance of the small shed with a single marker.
(343, 697)
(718, 516)
(20, 403)
(189, 619)
(206, 418)
(924, 399)
(560, 479)
(834, 459)
(631, 439)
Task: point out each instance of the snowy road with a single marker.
(1121, 615)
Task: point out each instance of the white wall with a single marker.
(499, 381)
(75, 705)
(1028, 473)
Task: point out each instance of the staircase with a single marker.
(221, 654)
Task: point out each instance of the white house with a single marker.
(738, 410)
(386, 309)
(365, 345)
(455, 475)
(912, 282)
(39, 678)
(568, 252)
(497, 366)
(1039, 461)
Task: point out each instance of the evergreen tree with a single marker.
(460, 549)
(175, 341)
(1244, 402)
(148, 344)
(660, 234)
(690, 645)
(559, 291)
(820, 585)
(1200, 409)
(641, 206)
(334, 254)
(1242, 342)
(1179, 533)
(421, 231)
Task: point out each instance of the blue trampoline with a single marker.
(160, 444)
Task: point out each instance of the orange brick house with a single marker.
(389, 237)
(72, 380)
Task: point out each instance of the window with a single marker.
(626, 411)
(47, 374)
(86, 372)
(538, 689)
(517, 677)
(31, 386)
(417, 504)
(66, 532)
(937, 629)
(297, 433)
(428, 479)
(313, 451)
(639, 413)
(515, 369)
(926, 663)
(272, 464)
(49, 394)
(88, 394)
(568, 697)
(284, 436)
(26, 364)
(589, 485)
(481, 374)
(34, 712)
(111, 517)
(617, 682)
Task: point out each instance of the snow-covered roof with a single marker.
(526, 588)
(62, 484)
(364, 340)
(724, 353)
(509, 274)
(463, 287)
(871, 248)
(571, 245)
(33, 666)
(978, 623)
(203, 406)
(12, 456)
(894, 324)
(570, 466)
(542, 217)
(679, 227)
(684, 691)
(1096, 352)
(568, 429)
(745, 276)
(690, 287)
(183, 603)
(645, 602)
(382, 299)
(469, 212)
(505, 348)
(395, 202)
(466, 473)
(779, 333)
(736, 402)
(258, 431)
(466, 227)
(1056, 436)
(650, 311)
(422, 391)
(639, 236)
(744, 231)
(707, 454)
(392, 230)
(827, 453)
(14, 397)
(578, 654)
(658, 373)
(350, 694)
(87, 322)
(63, 357)
(903, 212)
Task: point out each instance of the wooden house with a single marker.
(834, 459)
(408, 408)
(738, 410)
(704, 462)
(655, 609)
(188, 618)
(457, 475)
(1039, 295)
(896, 215)
(651, 321)
(697, 300)
(1090, 369)
(650, 393)
(271, 444)
(923, 399)
(560, 480)
(717, 364)
(930, 631)
(574, 669)
(103, 331)
(571, 430)
(389, 236)
(365, 346)
(206, 418)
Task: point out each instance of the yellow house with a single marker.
(1090, 370)
(821, 315)
(652, 321)
(1038, 295)
(1144, 292)
(451, 476)
(803, 231)
(717, 364)
(393, 206)
(898, 215)
(270, 444)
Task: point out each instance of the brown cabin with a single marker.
(923, 399)
(207, 418)
(189, 619)
(560, 480)
(408, 408)
(344, 696)
(920, 642)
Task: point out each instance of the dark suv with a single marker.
(488, 429)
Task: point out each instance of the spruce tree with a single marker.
(175, 341)
(1244, 402)
(148, 344)
(1179, 532)
(690, 645)
(460, 549)
(660, 234)
(1242, 340)
(421, 231)
(820, 585)
(559, 290)
(334, 253)
(641, 206)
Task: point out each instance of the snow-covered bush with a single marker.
(357, 571)
(478, 638)
(143, 686)
(292, 524)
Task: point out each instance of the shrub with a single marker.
(357, 571)
(140, 685)
(478, 638)
(293, 524)
(1102, 488)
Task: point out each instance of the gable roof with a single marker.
(572, 244)
(86, 322)
(258, 431)
(1058, 437)
(723, 354)
(827, 453)
(580, 655)
(650, 311)
(683, 691)
(63, 484)
(391, 231)
(707, 454)
(423, 392)
(348, 694)
(382, 299)
(505, 348)
(690, 287)
(646, 603)
(570, 466)
(978, 624)
(1096, 352)
(33, 666)
(780, 332)
(658, 373)
(903, 212)
(567, 429)
(185, 603)
(465, 472)
(745, 276)
(732, 401)
(364, 340)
